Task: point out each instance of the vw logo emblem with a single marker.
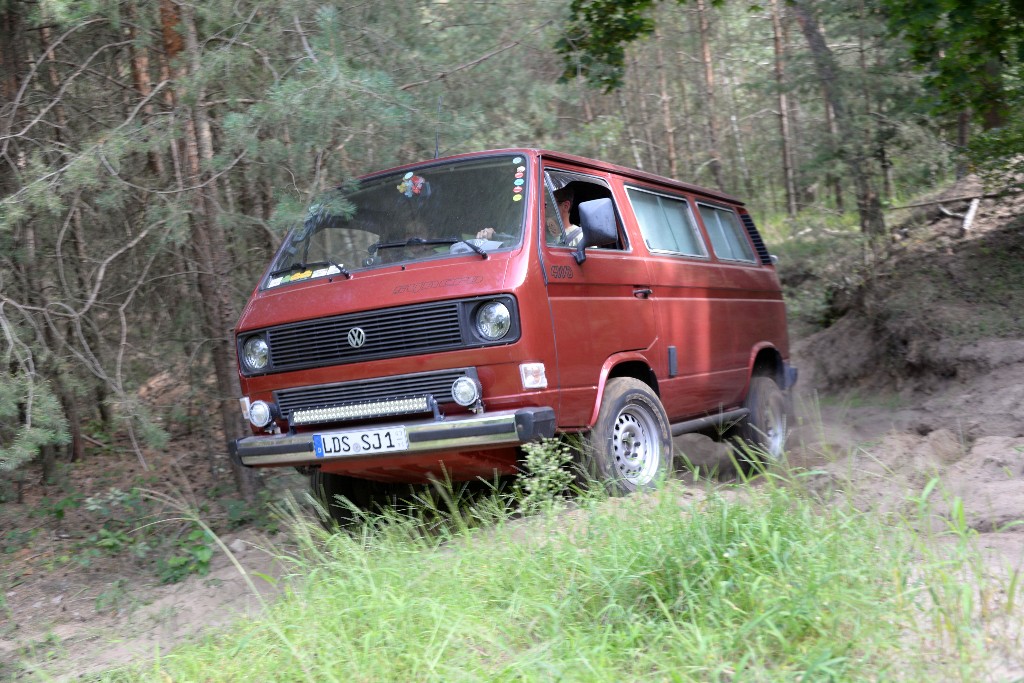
(356, 337)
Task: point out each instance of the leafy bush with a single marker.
(545, 477)
(192, 555)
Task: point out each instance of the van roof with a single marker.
(575, 160)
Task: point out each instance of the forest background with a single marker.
(153, 154)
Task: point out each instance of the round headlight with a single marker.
(255, 353)
(259, 413)
(466, 391)
(493, 321)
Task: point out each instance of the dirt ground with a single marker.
(883, 408)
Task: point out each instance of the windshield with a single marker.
(464, 207)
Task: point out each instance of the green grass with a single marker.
(755, 584)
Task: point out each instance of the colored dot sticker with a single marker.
(517, 197)
(517, 189)
(407, 176)
(520, 175)
(517, 160)
(519, 182)
(520, 169)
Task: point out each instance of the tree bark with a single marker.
(142, 81)
(788, 174)
(208, 239)
(666, 108)
(963, 127)
(715, 162)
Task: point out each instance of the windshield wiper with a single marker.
(423, 240)
(406, 243)
(306, 266)
(469, 243)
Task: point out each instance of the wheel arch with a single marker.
(766, 361)
(623, 365)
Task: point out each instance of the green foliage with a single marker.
(973, 50)
(58, 508)
(998, 154)
(191, 555)
(973, 56)
(545, 476)
(15, 539)
(595, 38)
(30, 417)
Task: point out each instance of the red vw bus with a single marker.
(427, 321)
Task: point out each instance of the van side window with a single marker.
(666, 223)
(565, 191)
(727, 237)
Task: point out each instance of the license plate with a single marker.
(360, 442)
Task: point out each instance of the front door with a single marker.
(600, 307)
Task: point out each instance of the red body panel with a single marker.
(581, 321)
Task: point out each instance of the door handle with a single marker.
(642, 292)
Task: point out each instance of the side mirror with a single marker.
(597, 221)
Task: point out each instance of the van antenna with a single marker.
(437, 129)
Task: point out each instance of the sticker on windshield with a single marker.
(414, 185)
(518, 180)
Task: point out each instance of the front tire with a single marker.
(630, 445)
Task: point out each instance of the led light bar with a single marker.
(360, 411)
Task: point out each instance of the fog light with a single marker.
(534, 376)
(259, 413)
(466, 391)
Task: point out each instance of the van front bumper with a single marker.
(473, 432)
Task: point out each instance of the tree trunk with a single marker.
(737, 136)
(639, 97)
(852, 149)
(143, 84)
(666, 108)
(630, 133)
(208, 240)
(963, 127)
(996, 111)
(832, 181)
(715, 162)
(788, 174)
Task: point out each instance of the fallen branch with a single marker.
(989, 195)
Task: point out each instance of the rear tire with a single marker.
(762, 434)
(630, 445)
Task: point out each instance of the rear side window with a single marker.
(666, 223)
(727, 236)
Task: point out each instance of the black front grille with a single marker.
(437, 384)
(388, 333)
